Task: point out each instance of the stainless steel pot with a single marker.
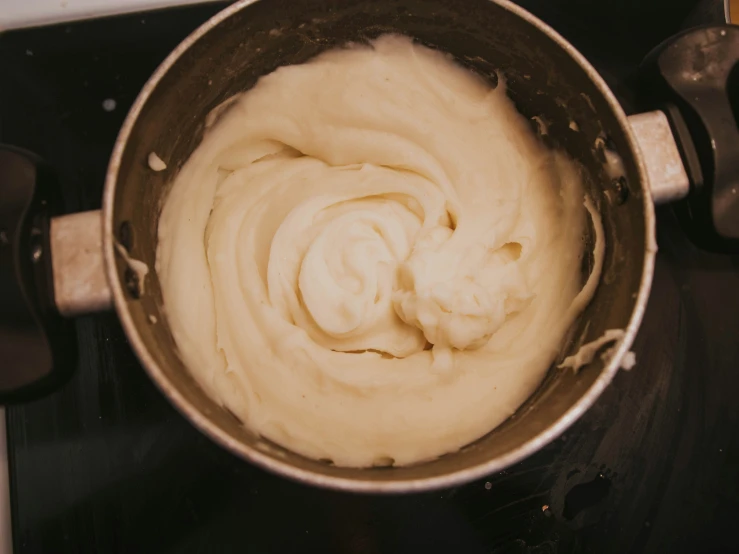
(74, 264)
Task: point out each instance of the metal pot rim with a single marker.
(221, 437)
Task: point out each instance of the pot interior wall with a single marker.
(541, 78)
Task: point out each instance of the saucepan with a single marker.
(56, 266)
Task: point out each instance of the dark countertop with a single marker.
(106, 465)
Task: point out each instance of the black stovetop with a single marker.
(105, 465)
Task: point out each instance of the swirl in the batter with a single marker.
(371, 256)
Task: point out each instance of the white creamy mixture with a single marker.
(371, 256)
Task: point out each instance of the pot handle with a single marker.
(668, 180)
(694, 78)
(42, 257)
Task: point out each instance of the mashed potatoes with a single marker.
(371, 256)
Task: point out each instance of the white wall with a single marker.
(6, 543)
(30, 13)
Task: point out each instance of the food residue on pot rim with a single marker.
(156, 163)
(587, 351)
(137, 266)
